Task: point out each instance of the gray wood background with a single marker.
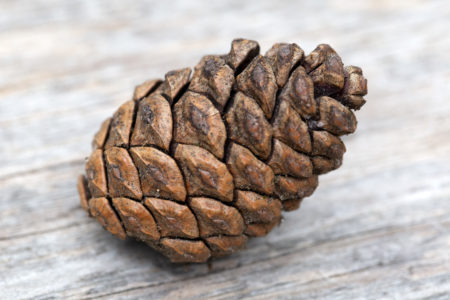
(379, 227)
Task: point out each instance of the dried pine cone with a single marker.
(195, 166)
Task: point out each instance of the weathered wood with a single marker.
(379, 227)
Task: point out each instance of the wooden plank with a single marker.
(376, 228)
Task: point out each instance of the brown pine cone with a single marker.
(193, 166)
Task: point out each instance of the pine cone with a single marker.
(195, 166)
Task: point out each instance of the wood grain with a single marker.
(379, 227)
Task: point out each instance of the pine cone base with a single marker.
(193, 166)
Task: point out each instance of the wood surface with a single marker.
(377, 228)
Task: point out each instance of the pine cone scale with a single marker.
(173, 219)
(159, 173)
(136, 219)
(153, 124)
(248, 126)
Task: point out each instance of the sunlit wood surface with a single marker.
(379, 227)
